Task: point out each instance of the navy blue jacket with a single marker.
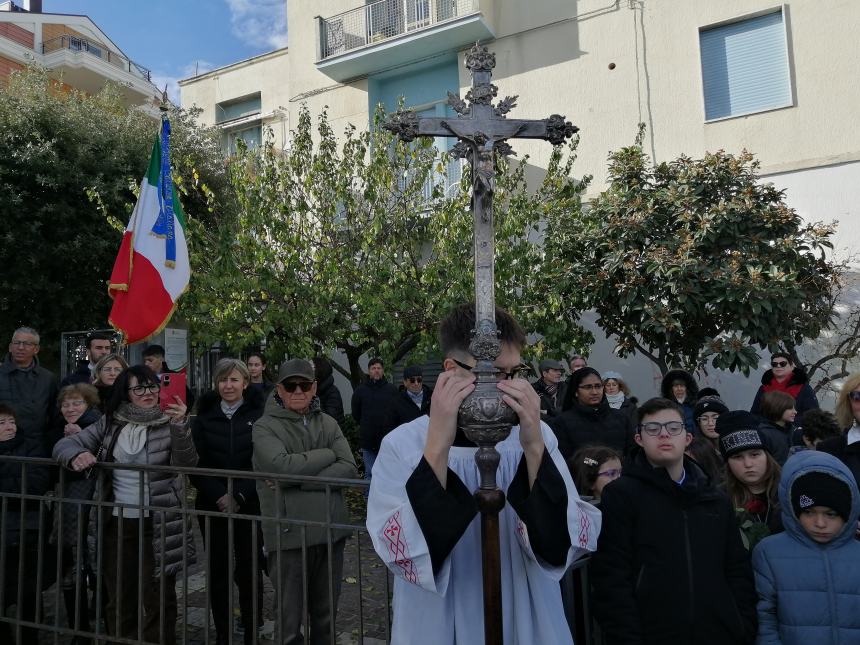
(809, 592)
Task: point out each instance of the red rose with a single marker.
(755, 506)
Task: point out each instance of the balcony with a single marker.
(86, 66)
(385, 33)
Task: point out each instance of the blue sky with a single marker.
(174, 37)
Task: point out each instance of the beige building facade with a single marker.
(73, 48)
(773, 78)
(246, 100)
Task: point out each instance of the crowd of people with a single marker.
(704, 522)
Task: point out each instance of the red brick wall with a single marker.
(16, 34)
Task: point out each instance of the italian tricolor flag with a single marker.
(151, 270)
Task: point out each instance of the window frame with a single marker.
(792, 99)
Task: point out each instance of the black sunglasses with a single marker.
(415, 379)
(779, 363)
(304, 386)
(501, 375)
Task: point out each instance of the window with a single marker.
(252, 137)
(745, 67)
(237, 108)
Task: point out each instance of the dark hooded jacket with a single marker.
(689, 404)
(809, 592)
(670, 566)
(37, 483)
(331, 402)
(32, 393)
(370, 403)
(583, 425)
(226, 444)
(797, 385)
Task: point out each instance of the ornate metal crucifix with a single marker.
(482, 129)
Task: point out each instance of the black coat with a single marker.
(848, 454)
(670, 567)
(81, 374)
(370, 403)
(550, 405)
(689, 403)
(331, 402)
(582, 426)
(778, 440)
(403, 409)
(38, 482)
(226, 443)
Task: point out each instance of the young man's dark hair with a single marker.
(455, 331)
(97, 335)
(153, 350)
(657, 404)
(819, 425)
(375, 361)
(784, 355)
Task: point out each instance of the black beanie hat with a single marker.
(709, 404)
(821, 489)
(738, 431)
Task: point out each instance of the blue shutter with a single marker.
(745, 67)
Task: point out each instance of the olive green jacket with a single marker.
(289, 443)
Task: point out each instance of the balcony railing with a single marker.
(75, 44)
(385, 19)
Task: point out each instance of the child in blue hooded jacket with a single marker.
(808, 578)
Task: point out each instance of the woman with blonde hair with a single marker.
(847, 447)
(108, 368)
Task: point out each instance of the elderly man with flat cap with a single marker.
(549, 388)
(294, 437)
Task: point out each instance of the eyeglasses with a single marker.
(614, 473)
(304, 386)
(591, 386)
(501, 375)
(72, 403)
(415, 379)
(778, 363)
(141, 390)
(855, 395)
(654, 428)
(23, 343)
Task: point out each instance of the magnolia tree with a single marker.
(696, 261)
(341, 246)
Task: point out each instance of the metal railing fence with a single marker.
(384, 19)
(61, 588)
(77, 44)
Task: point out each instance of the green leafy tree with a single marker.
(341, 246)
(70, 164)
(696, 260)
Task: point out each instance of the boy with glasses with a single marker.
(670, 566)
(422, 519)
(294, 437)
(784, 376)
